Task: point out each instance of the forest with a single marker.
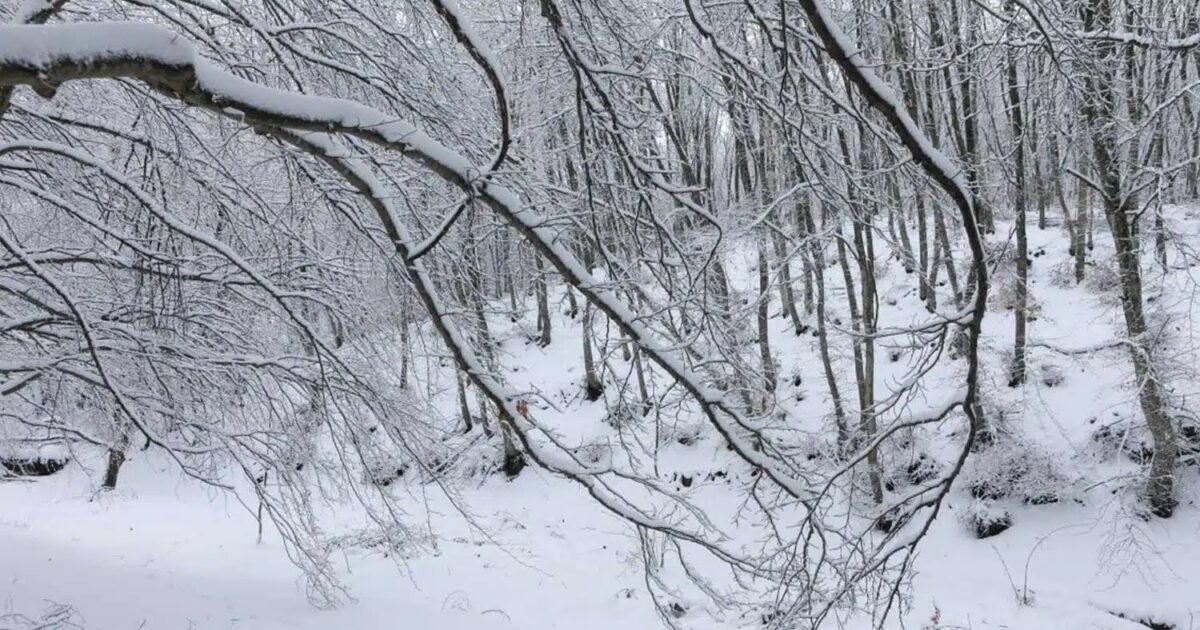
(532, 314)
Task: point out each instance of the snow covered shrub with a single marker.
(911, 468)
(32, 459)
(684, 434)
(1015, 469)
(477, 463)
(624, 414)
(795, 378)
(396, 540)
(1051, 375)
(451, 456)
(770, 616)
(922, 469)
(1189, 440)
(985, 519)
(993, 426)
(1003, 297)
(1062, 274)
(1000, 254)
(594, 454)
(1102, 277)
(1148, 620)
(381, 469)
(463, 457)
(1122, 436)
(683, 480)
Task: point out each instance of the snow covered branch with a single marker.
(44, 57)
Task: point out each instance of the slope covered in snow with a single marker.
(537, 553)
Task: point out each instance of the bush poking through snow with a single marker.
(1003, 297)
(33, 467)
(1103, 278)
(685, 435)
(770, 617)
(1129, 439)
(1148, 621)
(919, 470)
(682, 480)
(626, 414)
(892, 520)
(25, 460)
(383, 470)
(1052, 375)
(986, 520)
(1189, 438)
(1000, 254)
(1018, 470)
(595, 454)
(922, 469)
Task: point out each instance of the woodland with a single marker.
(785, 291)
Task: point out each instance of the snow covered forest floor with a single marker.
(165, 552)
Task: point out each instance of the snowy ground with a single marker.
(164, 553)
(158, 555)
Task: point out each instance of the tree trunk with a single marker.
(405, 341)
(572, 303)
(464, 409)
(864, 243)
(116, 459)
(593, 388)
(543, 305)
(764, 312)
(1162, 466)
(923, 288)
(1098, 110)
(640, 372)
(1017, 372)
(817, 254)
(787, 296)
(514, 459)
(1083, 215)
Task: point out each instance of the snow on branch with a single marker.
(36, 11)
(553, 456)
(29, 12)
(935, 163)
(1178, 45)
(43, 57)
